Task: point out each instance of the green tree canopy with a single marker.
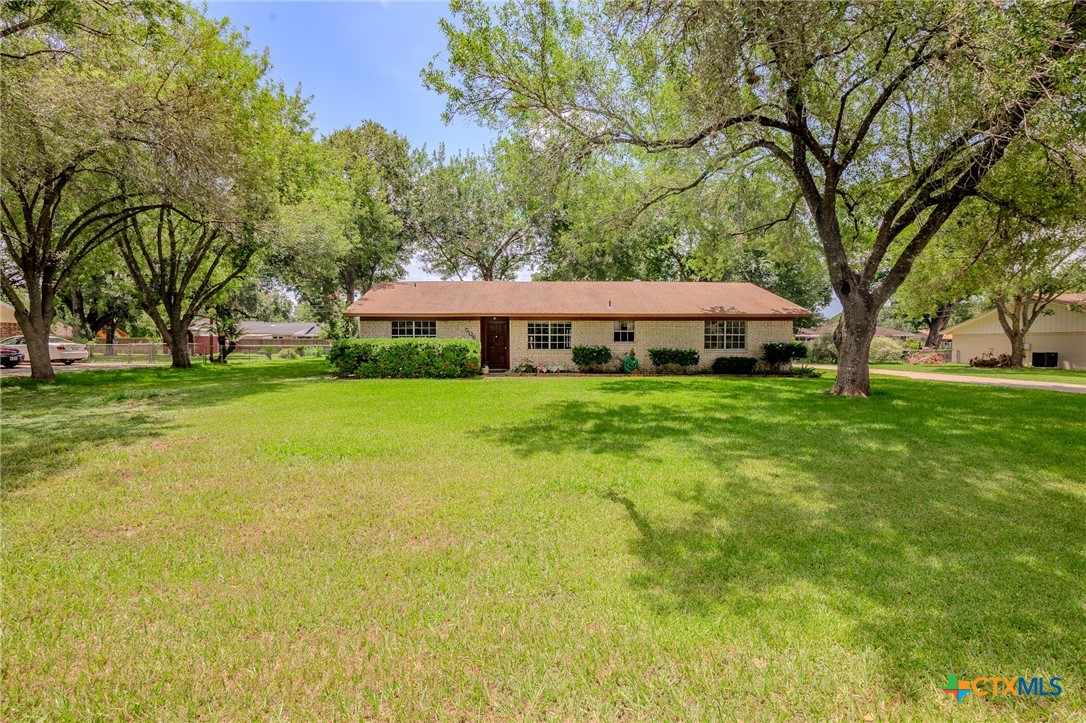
(883, 117)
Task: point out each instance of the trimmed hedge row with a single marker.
(592, 357)
(734, 365)
(405, 358)
(777, 354)
(679, 357)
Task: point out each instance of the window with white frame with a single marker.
(725, 335)
(550, 334)
(624, 331)
(404, 329)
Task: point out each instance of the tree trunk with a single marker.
(938, 324)
(83, 330)
(853, 338)
(35, 322)
(36, 335)
(1015, 320)
(178, 341)
(1018, 350)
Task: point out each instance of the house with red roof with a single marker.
(541, 321)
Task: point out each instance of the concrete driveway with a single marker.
(966, 379)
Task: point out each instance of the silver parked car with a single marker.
(60, 350)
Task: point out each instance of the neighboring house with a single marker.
(8, 325)
(541, 321)
(1055, 340)
(812, 334)
(258, 334)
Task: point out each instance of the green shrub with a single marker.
(267, 351)
(823, 350)
(885, 349)
(734, 365)
(405, 358)
(288, 354)
(588, 358)
(678, 357)
(777, 354)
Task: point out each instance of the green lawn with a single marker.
(1064, 376)
(263, 541)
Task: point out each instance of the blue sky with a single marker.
(360, 61)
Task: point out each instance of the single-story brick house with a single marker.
(1055, 340)
(541, 321)
(812, 334)
(259, 334)
(8, 325)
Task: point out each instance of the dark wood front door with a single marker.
(496, 343)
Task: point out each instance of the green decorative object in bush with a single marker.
(734, 365)
(777, 354)
(678, 357)
(405, 358)
(591, 358)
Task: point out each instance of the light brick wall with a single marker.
(648, 335)
(446, 329)
(9, 329)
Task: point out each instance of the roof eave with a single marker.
(550, 315)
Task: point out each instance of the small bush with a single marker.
(267, 351)
(777, 354)
(823, 350)
(405, 358)
(885, 349)
(288, 354)
(734, 365)
(591, 358)
(677, 357)
(926, 357)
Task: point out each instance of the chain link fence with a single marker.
(149, 353)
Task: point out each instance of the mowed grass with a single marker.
(268, 542)
(1063, 376)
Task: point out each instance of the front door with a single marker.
(496, 343)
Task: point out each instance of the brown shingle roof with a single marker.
(572, 299)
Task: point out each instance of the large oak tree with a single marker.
(885, 116)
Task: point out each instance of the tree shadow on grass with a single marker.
(45, 426)
(941, 527)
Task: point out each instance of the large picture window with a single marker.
(550, 334)
(624, 331)
(725, 335)
(404, 329)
